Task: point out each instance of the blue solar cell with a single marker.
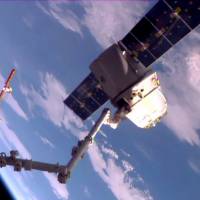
(160, 47)
(189, 10)
(90, 104)
(99, 95)
(131, 43)
(145, 58)
(82, 113)
(177, 32)
(144, 31)
(90, 89)
(161, 16)
(73, 104)
(137, 49)
(146, 42)
(163, 26)
(80, 93)
(87, 97)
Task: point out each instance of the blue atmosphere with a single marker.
(51, 44)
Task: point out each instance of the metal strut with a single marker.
(63, 171)
(26, 164)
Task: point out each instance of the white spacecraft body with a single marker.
(7, 89)
(148, 105)
(130, 86)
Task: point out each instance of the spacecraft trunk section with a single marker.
(117, 71)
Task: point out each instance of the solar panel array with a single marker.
(87, 97)
(162, 27)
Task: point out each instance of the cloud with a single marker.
(194, 70)
(109, 152)
(194, 165)
(12, 102)
(46, 141)
(11, 140)
(65, 17)
(28, 22)
(143, 151)
(125, 153)
(50, 99)
(127, 166)
(42, 8)
(116, 17)
(62, 14)
(86, 192)
(17, 184)
(59, 190)
(180, 81)
(22, 185)
(115, 177)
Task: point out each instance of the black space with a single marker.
(4, 192)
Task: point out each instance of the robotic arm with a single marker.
(63, 171)
(28, 165)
